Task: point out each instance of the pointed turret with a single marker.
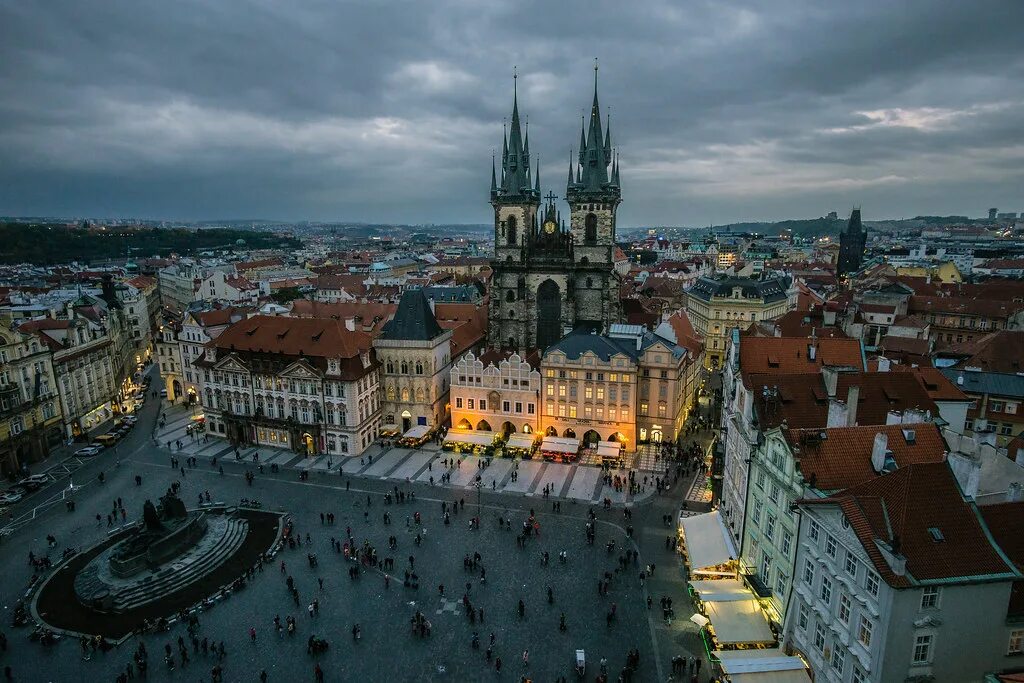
(596, 152)
(570, 169)
(583, 140)
(608, 138)
(536, 174)
(494, 179)
(516, 182)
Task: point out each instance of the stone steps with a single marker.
(174, 578)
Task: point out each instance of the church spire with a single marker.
(536, 174)
(516, 179)
(494, 179)
(570, 169)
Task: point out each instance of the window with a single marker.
(787, 541)
(838, 660)
(801, 619)
(826, 590)
(769, 526)
(757, 511)
(830, 546)
(859, 676)
(995, 406)
(519, 407)
(1016, 645)
(922, 649)
(871, 583)
(813, 531)
(588, 392)
(781, 581)
(819, 638)
(550, 390)
(851, 564)
(458, 402)
(472, 403)
(930, 597)
(844, 608)
(760, 479)
(483, 404)
(529, 409)
(773, 493)
(808, 572)
(766, 567)
(864, 631)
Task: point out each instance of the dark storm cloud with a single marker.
(366, 111)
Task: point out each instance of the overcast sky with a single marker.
(329, 110)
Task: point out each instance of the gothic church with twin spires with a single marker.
(549, 279)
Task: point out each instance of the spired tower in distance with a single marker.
(547, 279)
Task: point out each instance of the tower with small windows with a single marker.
(549, 279)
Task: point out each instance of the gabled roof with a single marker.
(413, 321)
(993, 383)
(920, 512)
(1000, 351)
(790, 354)
(843, 458)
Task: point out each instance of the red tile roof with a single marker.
(790, 354)
(938, 386)
(959, 305)
(902, 508)
(803, 397)
(1000, 351)
(843, 458)
(370, 317)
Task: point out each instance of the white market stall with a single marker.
(721, 590)
(416, 436)
(469, 441)
(708, 546)
(761, 666)
(610, 452)
(738, 623)
(560, 448)
(520, 445)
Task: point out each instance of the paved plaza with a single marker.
(388, 650)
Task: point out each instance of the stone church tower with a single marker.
(549, 280)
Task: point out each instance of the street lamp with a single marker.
(478, 484)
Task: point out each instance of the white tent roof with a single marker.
(708, 544)
(762, 666)
(478, 438)
(416, 432)
(520, 441)
(739, 622)
(558, 444)
(723, 590)
(608, 449)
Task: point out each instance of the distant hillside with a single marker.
(801, 228)
(49, 244)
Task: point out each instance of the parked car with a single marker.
(89, 451)
(10, 496)
(107, 440)
(34, 482)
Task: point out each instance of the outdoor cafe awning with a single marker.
(739, 622)
(761, 666)
(708, 543)
(477, 438)
(417, 432)
(557, 444)
(520, 441)
(608, 449)
(724, 590)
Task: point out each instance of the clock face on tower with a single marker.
(550, 227)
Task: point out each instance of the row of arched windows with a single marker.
(404, 367)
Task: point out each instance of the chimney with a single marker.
(852, 397)
(987, 438)
(812, 352)
(837, 412)
(878, 450)
(831, 376)
(913, 416)
(350, 324)
(1015, 492)
(1019, 459)
(893, 418)
(959, 380)
(883, 364)
(828, 317)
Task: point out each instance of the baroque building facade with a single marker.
(550, 279)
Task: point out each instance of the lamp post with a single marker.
(478, 484)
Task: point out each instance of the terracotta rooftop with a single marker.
(938, 386)
(803, 398)
(920, 512)
(1000, 351)
(314, 339)
(790, 354)
(369, 317)
(843, 458)
(959, 305)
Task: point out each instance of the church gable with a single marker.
(300, 369)
(231, 363)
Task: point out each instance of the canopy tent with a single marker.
(608, 449)
(520, 441)
(699, 619)
(556, 444)
(708, 543)
(723, 590)
(739, 622)
(466, 436)
(417, 432)
(761, 666)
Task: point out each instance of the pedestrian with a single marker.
(252, 633)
